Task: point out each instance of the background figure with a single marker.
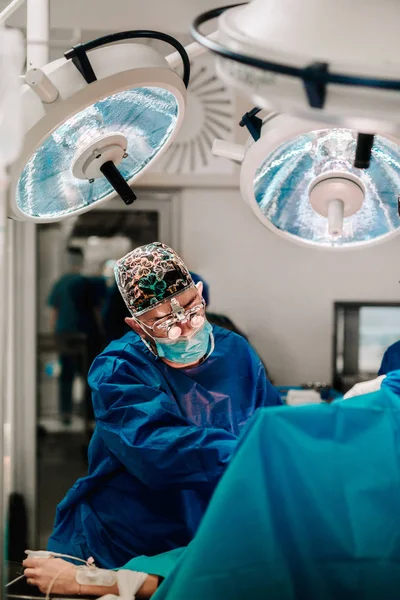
(75, 319)
(391, 359)
(114, 309)
(100, 290)
(206, 289)
(214, 318)
(217, 319)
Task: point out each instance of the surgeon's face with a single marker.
(153, 323)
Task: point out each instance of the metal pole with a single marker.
(25, 323)
(3, 366)
(11, 56)
(38, 32)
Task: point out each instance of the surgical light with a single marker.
(300, 180)
(94, 122)
(333, 60)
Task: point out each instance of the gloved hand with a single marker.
(365, 387)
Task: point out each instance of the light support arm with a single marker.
(193, 50)
(230, 150)
(9, 10)
(78, 54)
(41, 85)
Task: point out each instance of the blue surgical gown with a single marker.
(391, 359)
(308, 509)
(392, 382)
(163, 439)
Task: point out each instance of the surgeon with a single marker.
(391, 359)
(170, 398)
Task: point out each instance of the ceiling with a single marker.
(103, 15)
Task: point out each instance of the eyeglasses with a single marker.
(172, 324)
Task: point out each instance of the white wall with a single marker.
(280, 293)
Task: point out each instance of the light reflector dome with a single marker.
(95, 137)
(333, 60)
(47, 187)
(280, 172)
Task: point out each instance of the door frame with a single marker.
(24, 266)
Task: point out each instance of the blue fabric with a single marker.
(391, 359)
(308, 509)
(206, 290)
(161, 564)
(163, 439)
(392, 382)
(75, 298)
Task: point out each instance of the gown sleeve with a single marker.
(144, 428)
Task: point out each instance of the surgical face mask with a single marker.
(187, 350)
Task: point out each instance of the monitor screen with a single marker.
(363, 332)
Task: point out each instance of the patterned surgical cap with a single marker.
(149, 275)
